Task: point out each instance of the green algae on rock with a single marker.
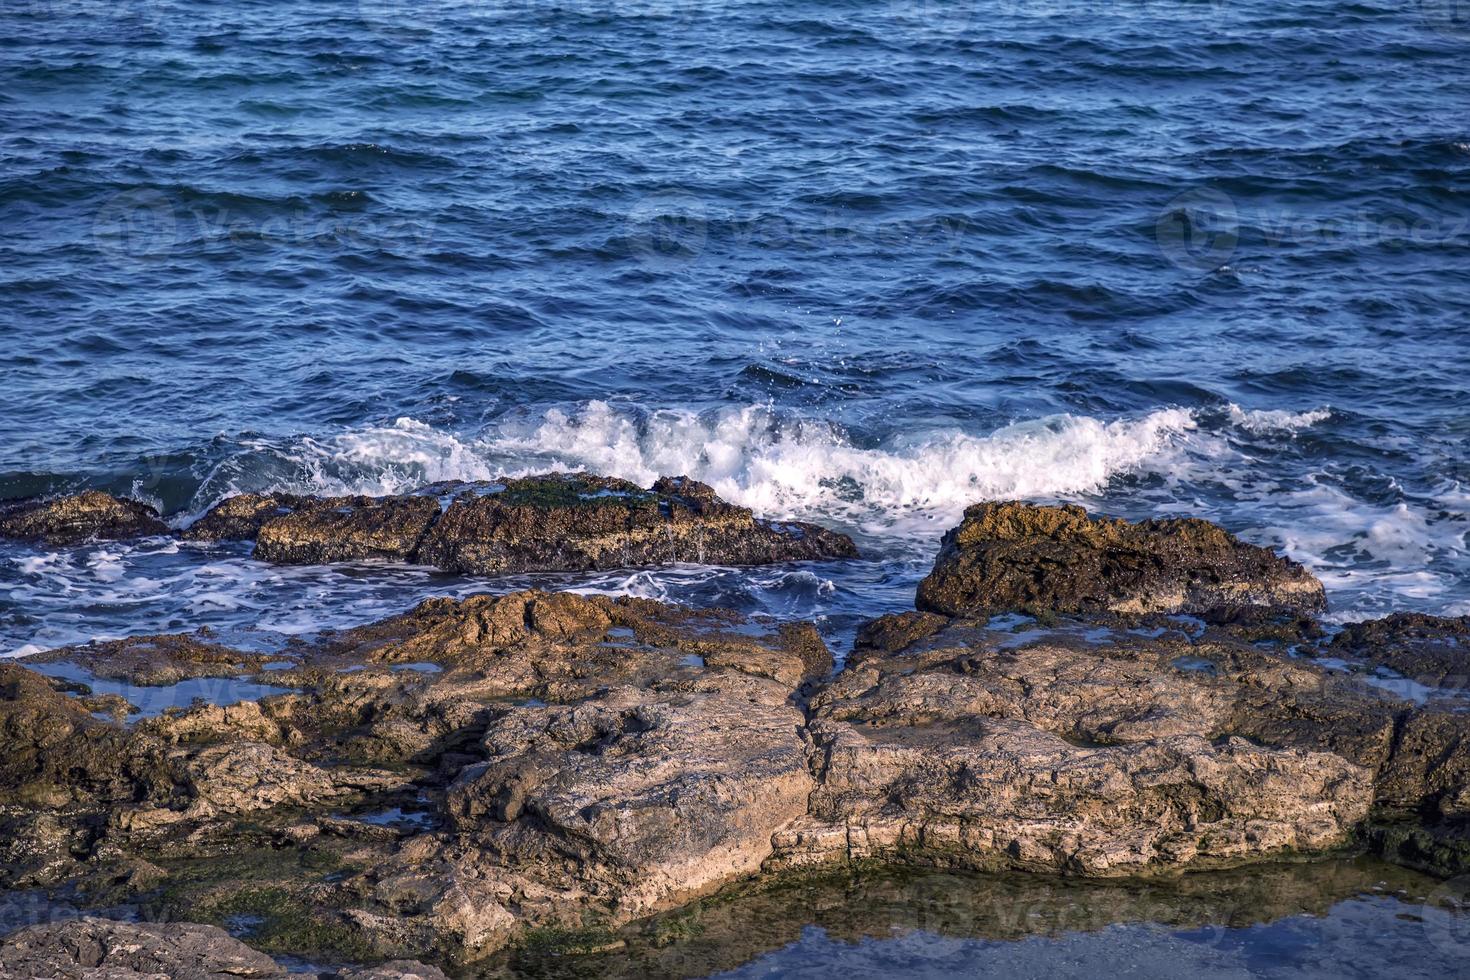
(88, 516)
(559, 522)
(1009, 557)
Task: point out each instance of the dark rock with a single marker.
(335, 529)
(240, 518)
(87, 516)
(1432, 650)
(555, 523)
(1020, 557)
(576, 522)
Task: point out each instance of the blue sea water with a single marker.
(862, 262)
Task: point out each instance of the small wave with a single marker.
(778, 465)
(1265, 421)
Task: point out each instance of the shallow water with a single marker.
(1337, 918)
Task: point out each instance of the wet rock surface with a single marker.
(1009, 557)
(550, 770)
(560, 522)
(1430, 650)
(88, 516)
(440, 781)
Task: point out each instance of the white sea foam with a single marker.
(1275, 420)
(777, 465)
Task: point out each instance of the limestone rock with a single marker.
(1015, 556)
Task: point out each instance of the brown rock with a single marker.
(1064, 756)
(576, 522)
(560, 522)
(240, 518)
(1016, 556)
(91, 515)
(347, 529)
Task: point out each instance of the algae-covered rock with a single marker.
(561, 522)
(576, 522)
(1016, 556)
(91, 515)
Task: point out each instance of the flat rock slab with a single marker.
(1021, 557)
(104, 949)
(554, 523)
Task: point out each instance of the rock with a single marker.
(1430, 650)
(103, 949)
(88, 516)
(555, 523)
(1058, 757)
(1020, 557)
(576, 522)
(347, 529)
(643, 797)
(547, 768)
(1351, 747)
(604, 756)
(240, 518)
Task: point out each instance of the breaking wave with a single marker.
(778, 465)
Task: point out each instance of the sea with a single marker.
(860, 262)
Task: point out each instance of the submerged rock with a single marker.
(1022, 557)
(561, 522)
(91, 515)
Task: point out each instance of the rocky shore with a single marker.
(1071, 695)
(557, 522)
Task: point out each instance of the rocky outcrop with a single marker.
(480, 772)
(92, 948)
(88, 516)
(561, 522)
(574, 522)
(103, 949)
(1067, 756)
(1021, 557)
(561, 757)
(1429, 650)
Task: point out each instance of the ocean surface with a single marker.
(862, 262)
